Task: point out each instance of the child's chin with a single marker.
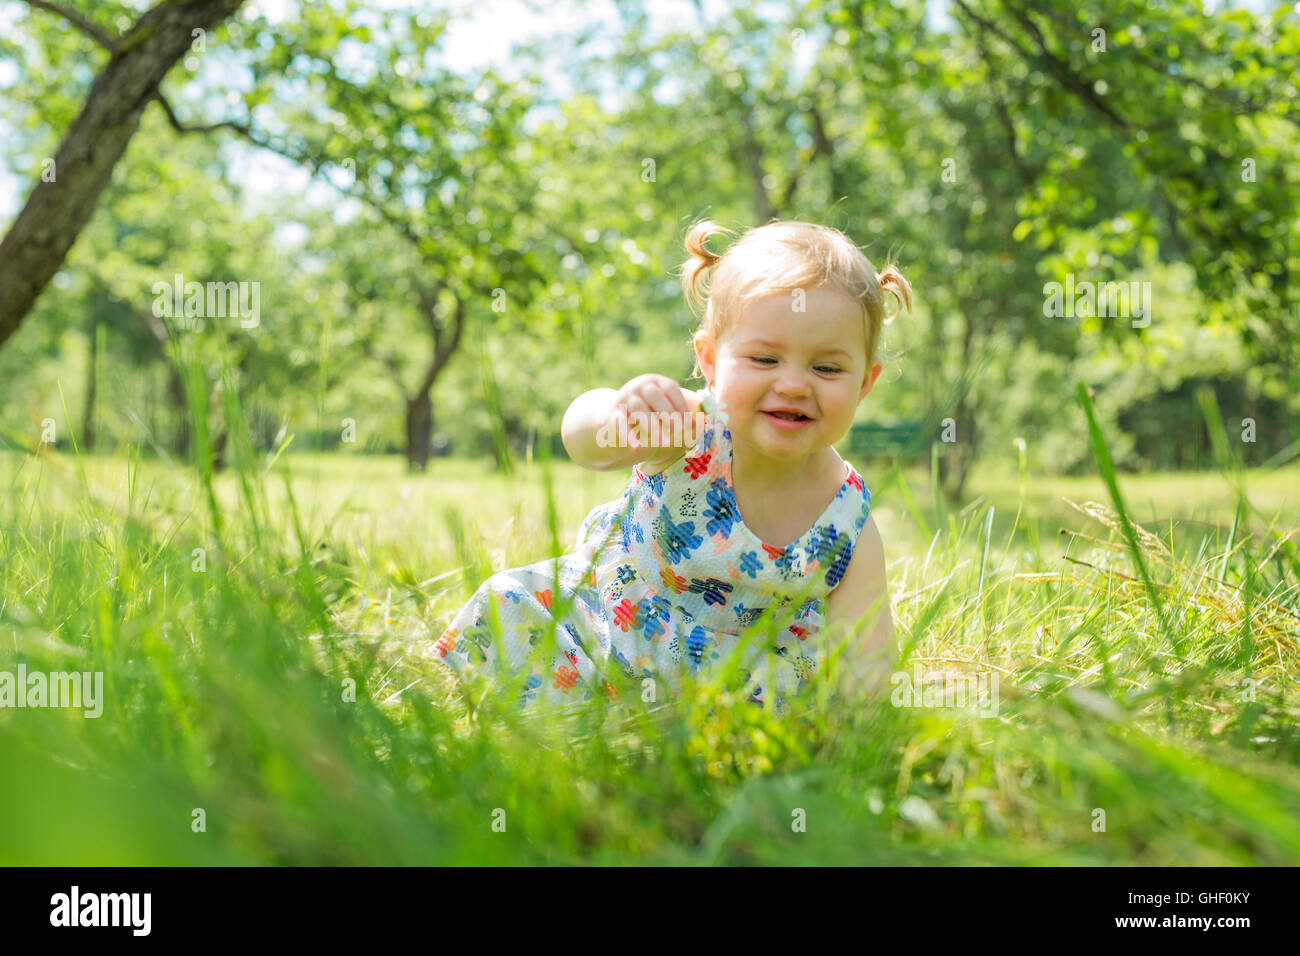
(780, 444)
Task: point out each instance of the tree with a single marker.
(62, 202)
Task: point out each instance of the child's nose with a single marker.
(792, 383)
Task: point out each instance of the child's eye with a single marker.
(762, 358)
(828, 369)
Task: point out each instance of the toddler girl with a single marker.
(743, 507)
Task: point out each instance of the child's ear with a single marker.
(705, 354)
(869, 381)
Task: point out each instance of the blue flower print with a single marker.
(696, 641)
(656, 605)
(627, 531)
(785, 562)
(749, 564)
(678, 540)
(840, 566)
(713, 590)
(721, 511)
(530, 690)
(822, 543)
(834, 545)
(815, 541)
(653, 628)
(652, 614)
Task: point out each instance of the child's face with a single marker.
(814, 361)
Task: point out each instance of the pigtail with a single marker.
(892, 281)
(694, 280)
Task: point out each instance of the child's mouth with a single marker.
(787, 421)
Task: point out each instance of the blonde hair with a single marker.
(781, 257)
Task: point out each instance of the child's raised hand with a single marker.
(657, 398)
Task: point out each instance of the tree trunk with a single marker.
(88, 423)
(957, 458)
(176, 397)
(956, 462)
(419, 431)
(58, 209)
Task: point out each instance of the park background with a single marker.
(460, 217)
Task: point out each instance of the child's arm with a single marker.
(590, 422)
(585, 417)
(858, 607)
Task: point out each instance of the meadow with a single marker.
(287, 236)
(270, 695)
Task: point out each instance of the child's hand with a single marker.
(658, 399)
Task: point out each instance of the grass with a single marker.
(264, 636)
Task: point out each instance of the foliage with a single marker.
(990, 152)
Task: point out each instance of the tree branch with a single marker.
(1239, 103)
(316, 163)
(1062, 71)
(443, 349)
(1057, 67)
(1004, 115)
(78, 21)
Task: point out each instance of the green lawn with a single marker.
(1127, 730)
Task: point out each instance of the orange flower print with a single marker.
(446, 643)
(544, 597)
(565, 678)
(674, 580)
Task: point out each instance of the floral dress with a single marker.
(666, 578)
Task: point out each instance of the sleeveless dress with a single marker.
(665, 578)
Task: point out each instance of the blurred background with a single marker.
(438, 201)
